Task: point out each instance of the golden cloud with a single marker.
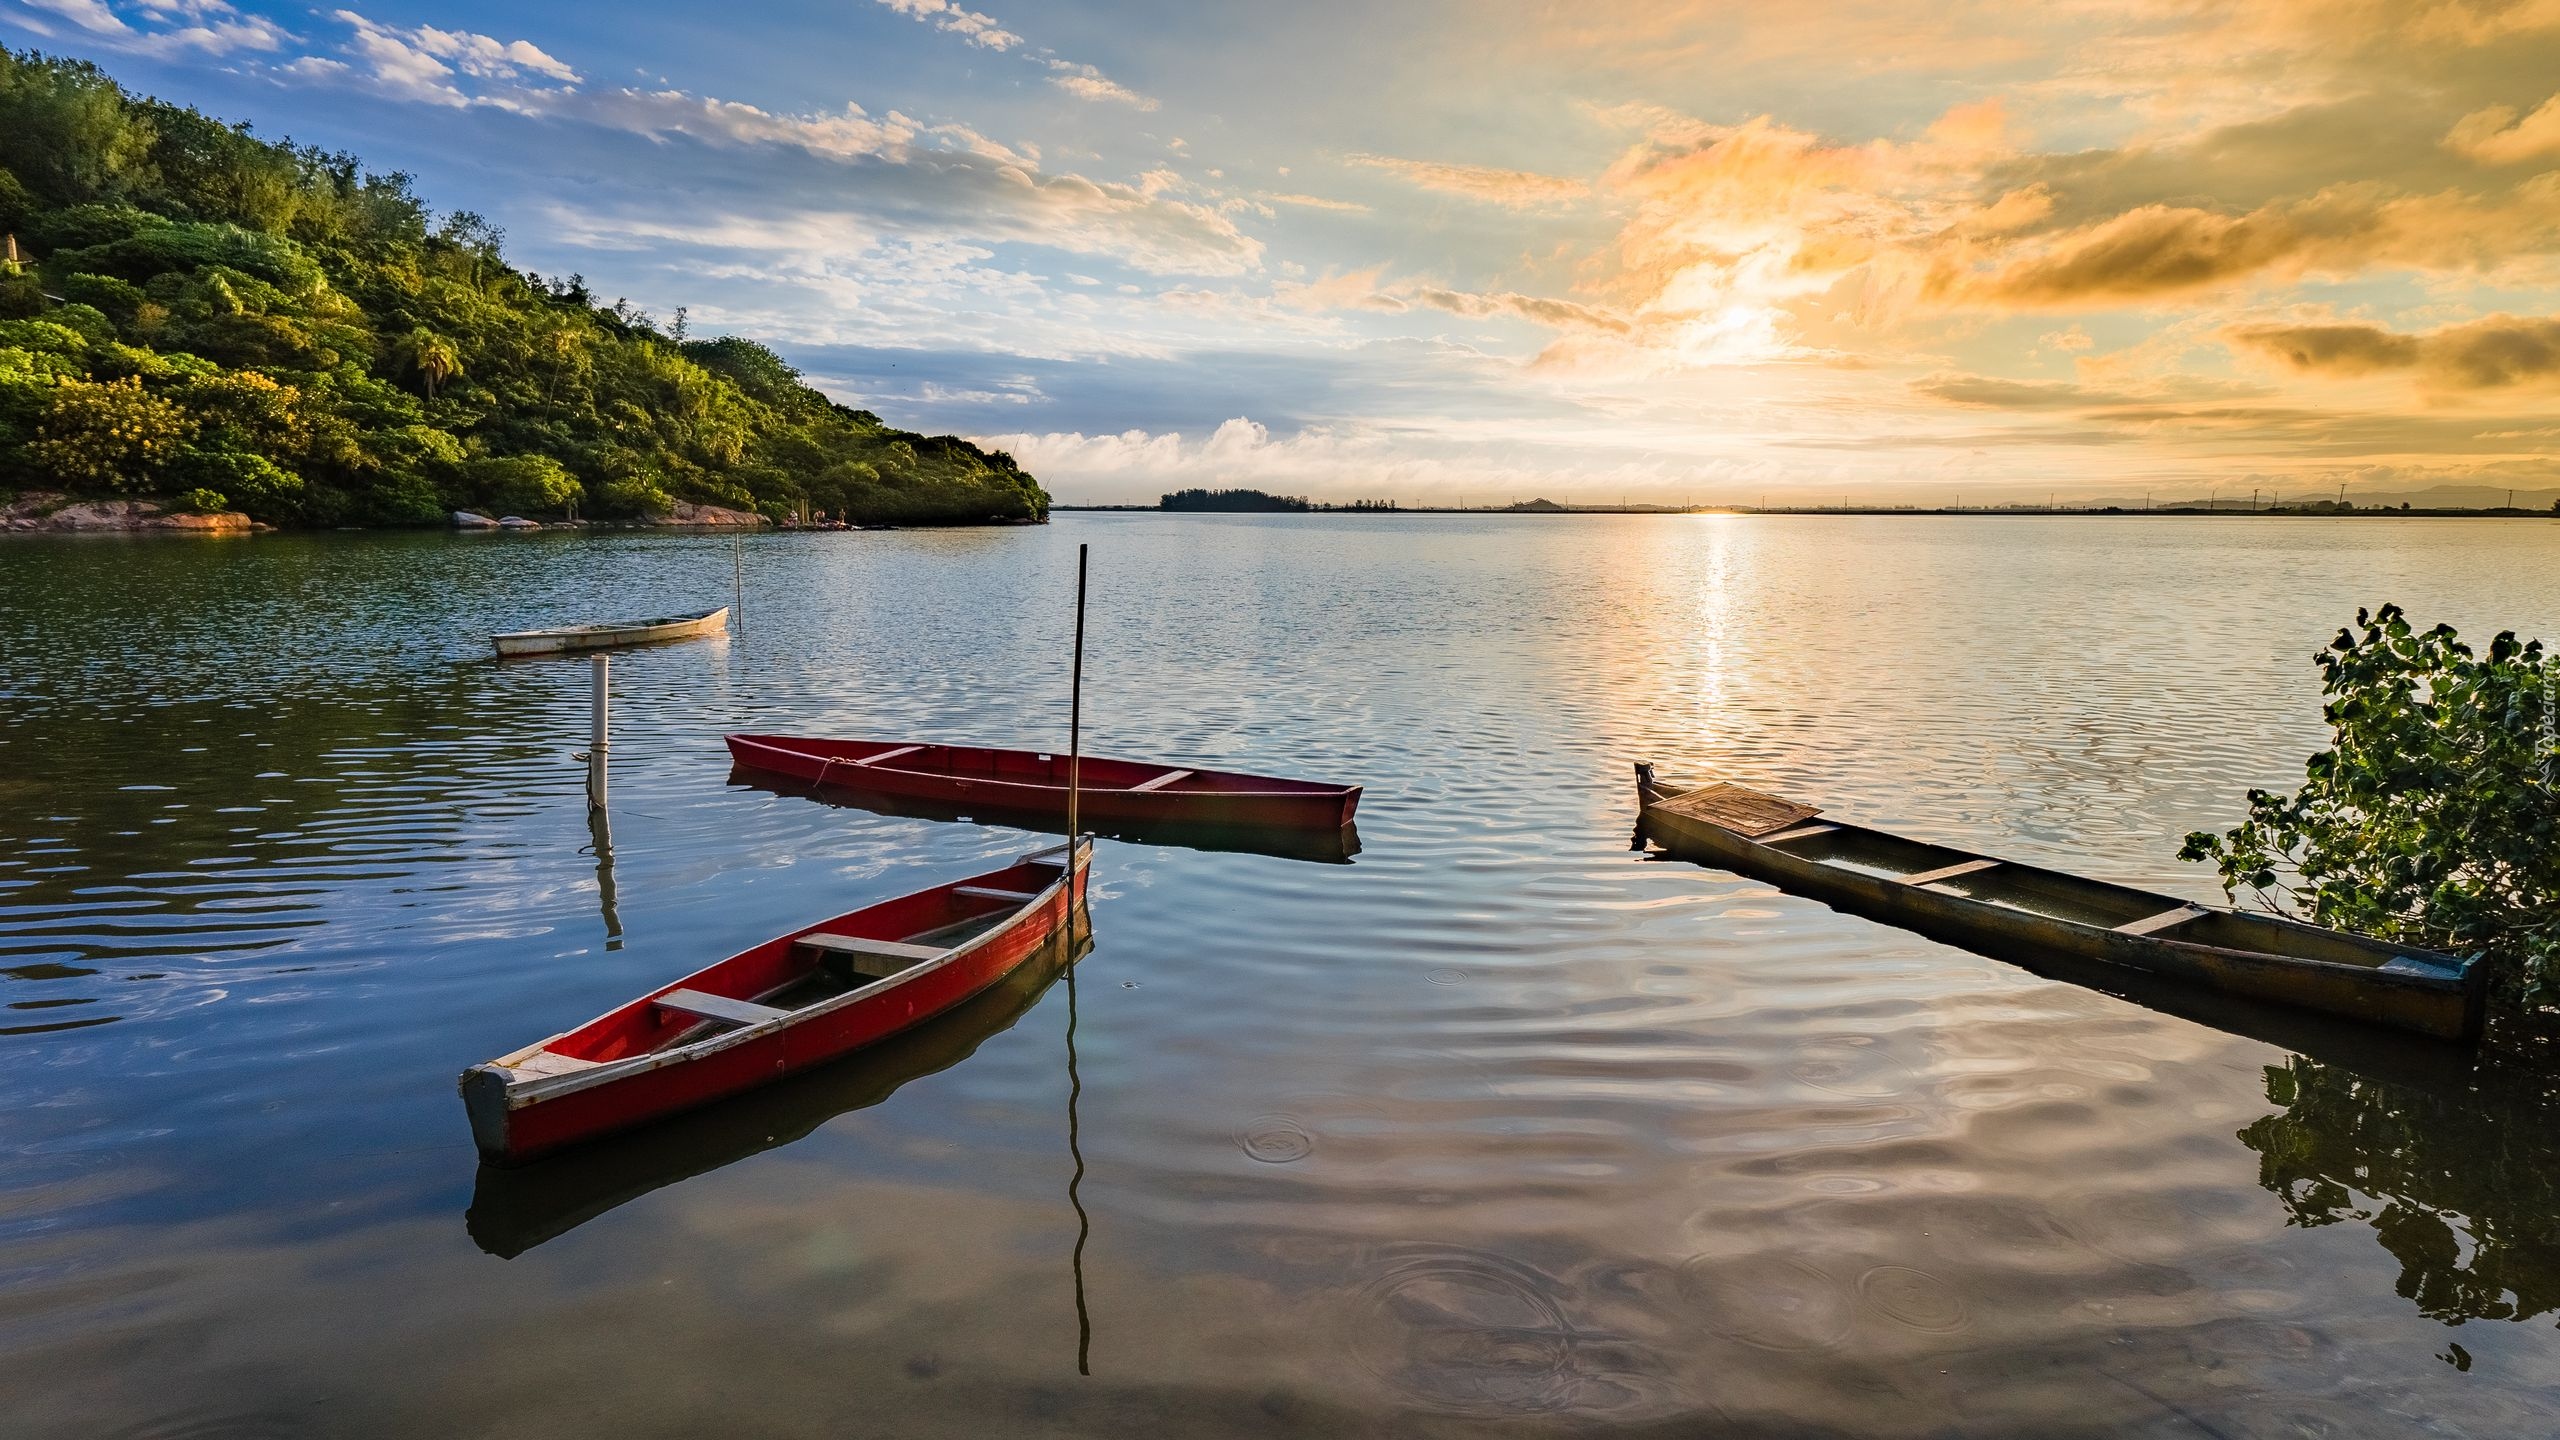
(2495, 136)
(1517, 189)
(2496, 353)
(1559, 313)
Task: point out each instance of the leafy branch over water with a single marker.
(199, 312)
(2433, 818)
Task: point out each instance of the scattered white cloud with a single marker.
(1087, 83)
(491, 59)
(1516, 189)
(1316, 202)
(89, 15)
(166, 29)
(969, 25)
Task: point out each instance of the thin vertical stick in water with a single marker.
(738, 582)
(599, 739)
(1075, 741)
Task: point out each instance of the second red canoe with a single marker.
(1033, 783)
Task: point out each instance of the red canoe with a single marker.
(792, 1002)
(1029, 783)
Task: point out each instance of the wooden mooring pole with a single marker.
(1075, 731)
(599, 740)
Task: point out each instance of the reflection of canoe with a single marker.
(1997, 905)
(1324, 847)
(612, 634)
(795, 1001)
(1035, 783)
(516, 1208)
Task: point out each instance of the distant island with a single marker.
(1234, 502)
(197, 323)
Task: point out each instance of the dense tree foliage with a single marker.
(1232, 500)
(2434, 817)
(202, 313)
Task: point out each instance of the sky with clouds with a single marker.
(1684, 251)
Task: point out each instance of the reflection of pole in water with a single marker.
(1075, 1146)
(599, 819)
(600, 839)
(1075, 1082)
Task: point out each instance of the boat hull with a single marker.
(575, 638)
(1313, 843)
(517, 1115)
(517, 1207)
(2446, 1006)
(1029, 783)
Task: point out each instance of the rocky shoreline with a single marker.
(685, 516)
(49, 513)
(53, 513)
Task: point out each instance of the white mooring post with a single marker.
(599, 742)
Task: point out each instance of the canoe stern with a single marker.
(484, 1099)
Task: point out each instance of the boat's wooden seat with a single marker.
(1161, 781)
(1802, 832)
(877, 959)
(990, 892)
(889, 754)
(717, 1007)
(545, 1062)
(2152, 924)
(1949, 872)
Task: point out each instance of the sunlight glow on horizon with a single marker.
(1684, 251)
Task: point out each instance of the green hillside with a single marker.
(201, 315)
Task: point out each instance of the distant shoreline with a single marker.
(1969, 512)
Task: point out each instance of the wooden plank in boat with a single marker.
(2151, 924)
(1949, 872)
(989, 892)
(1162, 780)
(885, 949)
(1744, 811)
(717, 1007)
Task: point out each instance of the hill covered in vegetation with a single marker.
(194, 313)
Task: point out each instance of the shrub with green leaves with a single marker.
(522, 485)
(252, 482)
(2433, 818)
(115, 436)
(201, 502)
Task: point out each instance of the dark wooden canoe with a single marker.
(2005, 908)
(1027, 782)
(795, 1001)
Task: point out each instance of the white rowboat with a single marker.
(612, 634)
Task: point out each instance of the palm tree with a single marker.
(434, 357)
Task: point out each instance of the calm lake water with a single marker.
(1499, 1121)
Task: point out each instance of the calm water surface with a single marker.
(1499, 1122)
